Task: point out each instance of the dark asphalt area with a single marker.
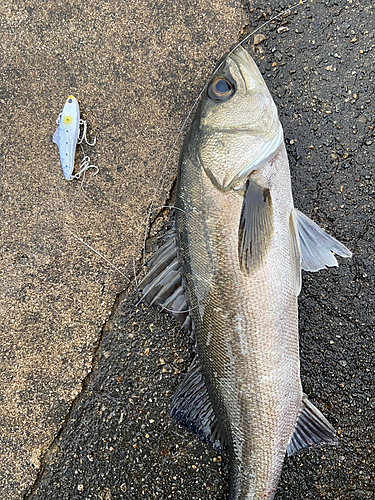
(118, 441)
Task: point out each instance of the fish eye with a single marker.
(70, 100)
(220, 89)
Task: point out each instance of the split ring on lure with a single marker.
(66, 136)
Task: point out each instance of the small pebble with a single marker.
(258, 38)
(282, 29)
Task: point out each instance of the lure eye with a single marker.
(70, 101)
(220, 89)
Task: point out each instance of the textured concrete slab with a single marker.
(133, 67)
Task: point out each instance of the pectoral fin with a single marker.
(256, 226)
(316, 245)
(312, 428)
(192, 408)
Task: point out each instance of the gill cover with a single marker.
(238, 129)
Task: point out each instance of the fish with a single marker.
(230, 270)
(66, 136)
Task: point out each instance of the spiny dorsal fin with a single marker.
(191, 407)
(163, 284)
(256, 226)
(312, 428)
(316, 245)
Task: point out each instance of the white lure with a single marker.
(67, 137)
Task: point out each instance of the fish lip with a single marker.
(236, 50)
(246, 66)
(241, 58)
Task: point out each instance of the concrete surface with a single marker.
(87, 375)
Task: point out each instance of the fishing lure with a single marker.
(67, 137)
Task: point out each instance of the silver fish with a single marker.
(230, 269)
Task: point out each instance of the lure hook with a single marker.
(84, 165)
(84, 137)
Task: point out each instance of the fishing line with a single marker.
(180, 312)
(171, 310)
(108, 261)
(296, 5)
(97, 253)
(158, 187)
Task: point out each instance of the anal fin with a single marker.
(312, 428)
(191, 407)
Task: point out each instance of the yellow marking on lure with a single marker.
(67, 119)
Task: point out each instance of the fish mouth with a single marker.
(246, 66)
(239, 54)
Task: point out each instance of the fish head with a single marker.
(70, 113)
(236, 129)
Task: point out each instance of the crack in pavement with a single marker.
(129, 289)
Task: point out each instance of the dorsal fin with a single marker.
(191, 407)
(163, 283)
(312, 428)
